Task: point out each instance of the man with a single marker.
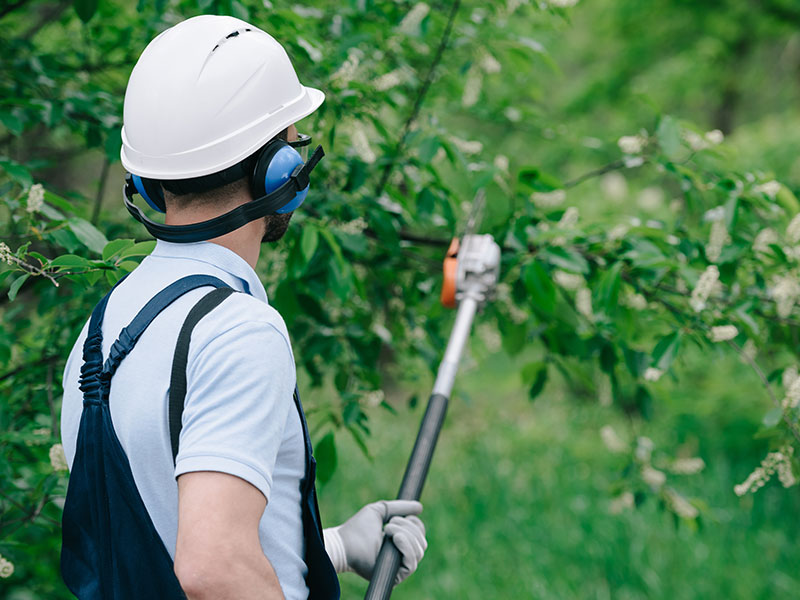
(209, 110)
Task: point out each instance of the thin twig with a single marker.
(426, 84)
(613, 166)
(33, 269)
(11, 7)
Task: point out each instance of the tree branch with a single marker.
(11, 7)
(426, 84)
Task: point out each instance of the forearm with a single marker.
(238, 578)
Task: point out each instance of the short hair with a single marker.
(220, 195)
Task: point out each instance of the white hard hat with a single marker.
(206, 94)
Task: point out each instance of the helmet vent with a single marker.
(231, 35)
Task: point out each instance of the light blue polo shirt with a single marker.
(239, 415)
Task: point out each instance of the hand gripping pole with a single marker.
(479, 260)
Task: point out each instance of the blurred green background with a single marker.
(524, 498)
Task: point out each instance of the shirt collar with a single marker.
(217, 256)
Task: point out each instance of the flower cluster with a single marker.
(6, 567)
(770, 188)
(687, 466)
(548, 199)
(472, 88)
(764, 239)
(779, 461)
(723, 333)
(6, 255)
(784, 291)
(411, 22)
(632, 144)
(35, 198)
(612, 441)
(58, 459)
(652, 374)
(569, 281)
(583, 303)
(569, 219)
(708, 280)
(680, 505)
(717, 240)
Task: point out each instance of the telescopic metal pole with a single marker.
(475, 286)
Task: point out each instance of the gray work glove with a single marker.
(354, 545)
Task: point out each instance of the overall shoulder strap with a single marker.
(131, 334)
(177, 382)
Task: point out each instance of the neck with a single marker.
(245, 241)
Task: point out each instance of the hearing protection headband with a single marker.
(268, 204)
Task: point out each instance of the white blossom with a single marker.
(353, 227)
(374, 398)
(612, 441)
(490, 64)
(388, 80)
(764, 239)
(314, 53)
(472, 88)
(789, 376)
(347, 70)
(774, 461)
(653, 477)
(784, 291)
(360, 143)
(58, 459)
(583, 303)
(749, 351)
(624, 501)
(307, 12)
(6, 567)
(792, 398)
(618, 232)
(634, 300)
(563, 3)
(650, 198)
(631, 162)
(336, 25)
(569, 281)
(793, 229)
(548, 199)
(652, 374)
(687, 466)
(631, 144)
(467, 146)
(513, 114)
(501, 162)
(411, 22)
(696, 141)
(770, 188)
(723, 333)
(644, 448)
(569, 219)
(680, 505)
(714, 137)
(35, 197)
(714, 214)
(614, 185)
(6, 255)
(704, 287)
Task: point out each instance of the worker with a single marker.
(192, 473)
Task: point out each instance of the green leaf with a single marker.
(115, 246)
(607, 291)
(17, 172)
(666, 349)
(69, 261)
(139, 249)
(669, 136)
(325, 454)
(88, 234)
(541, 290)
(538, 181)
(12, 122)
(86, 8)
(16, 284)
(309, 240)
(540, 380)
(566, 259)
(428, 149)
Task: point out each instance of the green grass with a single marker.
(517, 499)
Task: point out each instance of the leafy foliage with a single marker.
(421, 113)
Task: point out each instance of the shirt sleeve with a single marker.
(239, 393)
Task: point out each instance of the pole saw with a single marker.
(471, 269)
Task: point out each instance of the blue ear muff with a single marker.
(274, 166)
(151, 191)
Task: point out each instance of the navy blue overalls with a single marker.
(110, 547)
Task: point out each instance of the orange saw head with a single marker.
(450, 269)
(471, 268)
